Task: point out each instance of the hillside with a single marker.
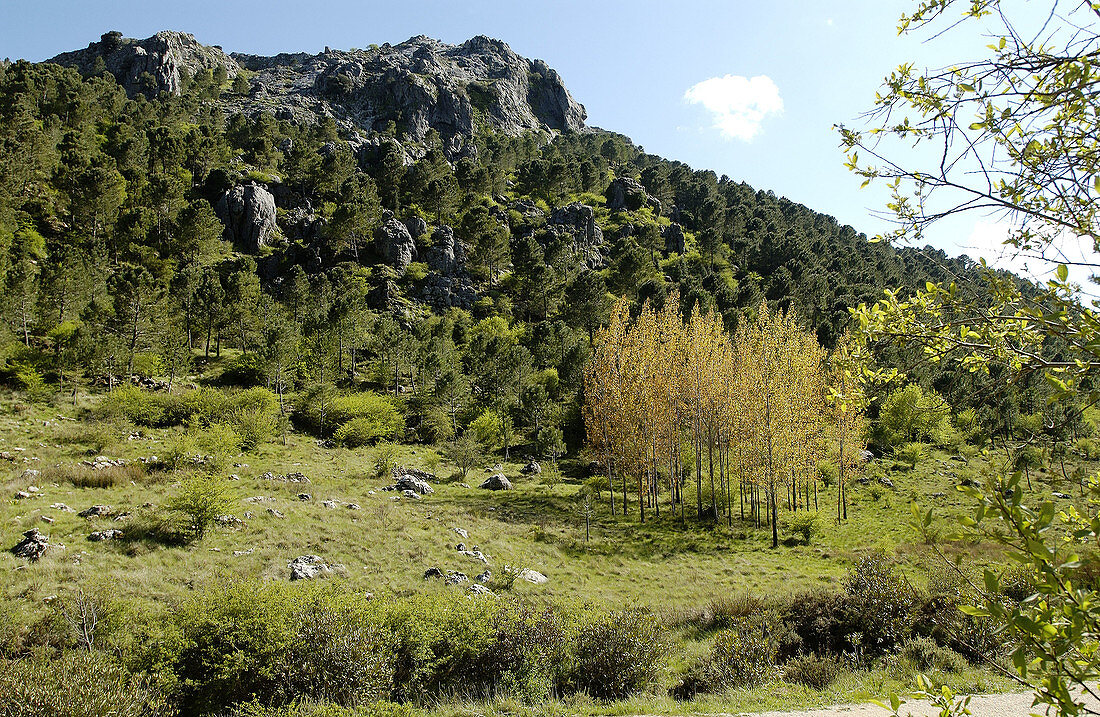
(373, 381)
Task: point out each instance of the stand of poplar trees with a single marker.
(688, 413)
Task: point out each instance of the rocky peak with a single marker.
(150, 66)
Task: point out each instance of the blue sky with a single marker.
(750, 90)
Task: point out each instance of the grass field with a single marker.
(676, 567)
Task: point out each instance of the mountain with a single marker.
(422, 84)
(423, 217)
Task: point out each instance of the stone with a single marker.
(33, 545)
(248, 212)
(411, 494)
(411, 482)
(101, 535)
(1063, 496)
(305, 497)
(534, 576)
(461, 547)
(47, 519)
(579, 222)
(275, 513)
(886, 482)
(433, 573)
(532, 468)
(485, 577)
(30, 474)
(353, 506)
(227, 521)
(395, 244)
(330, 504)
(307, 567)
(96, 511)
(628, 194)
(62, 507)
(239, 553)
(455, 578)
(476, 589)
(462, 533)
(497, 481)
(23, 495)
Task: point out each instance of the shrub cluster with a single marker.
(252, 414)
(280, 644)
(352, 419)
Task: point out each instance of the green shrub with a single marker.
(925, 654)
(244, 370)
(321, 413)
(821, 621)
(385, 458)
(226, 645)
(486, 430)
(911, 454)
(618, 655)
(148, 365)
(828, 472)
(909, 414)
(360, 432)
(339, 653)
(742, 655)
(143, 408)
(813, 671)
(254, 426)
(76, 684)
(883, 603)
(199, 501)
(801, 525)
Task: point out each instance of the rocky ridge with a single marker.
(420, 84)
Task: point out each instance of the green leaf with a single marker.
(1063, 272)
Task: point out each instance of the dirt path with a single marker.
(1004, 705)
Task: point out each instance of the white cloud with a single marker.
(738, 104)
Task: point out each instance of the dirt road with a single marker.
(1005, 705)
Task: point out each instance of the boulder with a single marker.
(96, 511)
(275, 513)
(532, 468)
(409, 482)
(578, 221)
(411, 494)
(497, 481)
(33, 545)
(417, 227)
(476, 589)
(307, 567)
(248, 212)
(462, 533)
(433, 573)
(395, 244)
(455, 578)
(534, 576)
(485, 577)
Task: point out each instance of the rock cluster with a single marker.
(33, 545)
(285, 478)
(150, 66)
(307, 567)
(627, 193)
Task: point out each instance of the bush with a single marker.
(360, 432)
(909, 414)
(883, 603)
(148, 365)
(801, 525)
(486, 430)
(618, 655)
(76, 684)
(385, 458)
(911, 454)
(322, 414)
(244, 370)
(925, 654)
(338, 654)
(821, 621)
(812, 671)
(199, 501)
(254, 426)
(226, 645)
(143, 408)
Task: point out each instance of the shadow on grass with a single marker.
(149, 529)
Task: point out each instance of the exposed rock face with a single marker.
(421, 84)
(579, 221)
(150, 66)
(627, 193)
(33, 545)
(497, 481)
(395, 244)
(101, 535)
(248, 212)
(675, 242)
